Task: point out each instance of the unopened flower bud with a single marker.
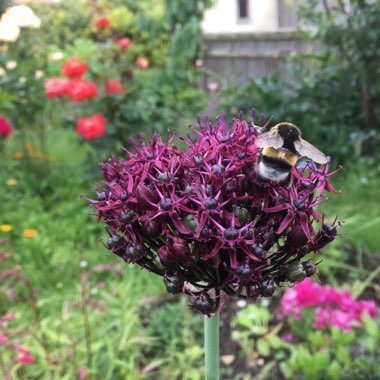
(224, 139)
(296, 237)
(230, 187)
(296, 272)
(167, 257)
(244, 271)
(306, 184)
(135, 251)
(102, 196)
(163, 177)
(310, 268)
(231, 234)
(190, 222)
(266, 288)
(258, 250)
(204, 303)
(173, 283)
(114, 241)
(152, 228)
(211, 203)
(242, 214)
(198, 160)
(325, 236)
(127, 216)
(145, 194)
(166, 205)
(181, 249)
(299, 205)
(219, 169)
(123, 196)
(189, 189)
(205, 233)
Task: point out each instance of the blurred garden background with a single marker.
(80, 77)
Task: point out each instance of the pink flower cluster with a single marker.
(22, 354)
(5, 128)
(333, 307)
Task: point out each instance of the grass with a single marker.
(358, 205)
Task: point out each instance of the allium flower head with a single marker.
(203, 220)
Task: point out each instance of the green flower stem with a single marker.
(211, 331)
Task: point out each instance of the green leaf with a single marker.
(263, 347)
(335, 371)
(342, 355)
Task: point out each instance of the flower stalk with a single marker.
(211, 345)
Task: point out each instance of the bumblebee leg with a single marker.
(288, 181)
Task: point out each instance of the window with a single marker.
(242, 9)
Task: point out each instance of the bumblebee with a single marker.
(281, 148)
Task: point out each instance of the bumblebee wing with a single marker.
(271, 138)
(306, 149)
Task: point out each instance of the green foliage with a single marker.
(339, 355)
(154, 99)
(253, 331)
(359, 207)
(332, 94)
(60, 25)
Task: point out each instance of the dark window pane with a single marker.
(243, 8)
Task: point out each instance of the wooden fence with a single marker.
(240, 57)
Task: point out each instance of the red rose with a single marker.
(124, 43)
(79, 90)
(102, 22)
(5, 128)
(55, 87)
(112, 87)
(73, 68)
(142, 62)
(91, 128)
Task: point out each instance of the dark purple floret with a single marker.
(203, 220)
(310, 268)
(244, 271)
(204, 304)
(266, 288)
(174, 283)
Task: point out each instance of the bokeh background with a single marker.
(80, 77)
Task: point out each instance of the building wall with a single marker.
(240, 57)
(253, 48)
(223, 17)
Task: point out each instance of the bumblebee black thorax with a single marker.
(289, 134)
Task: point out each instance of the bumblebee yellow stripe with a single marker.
(286, 156)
